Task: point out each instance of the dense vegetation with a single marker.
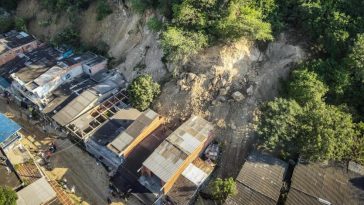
(195, 24)
(74, 6)
(142, 91)
(7, 196)
(321, 112)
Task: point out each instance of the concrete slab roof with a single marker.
(38, 192)
(8, 176)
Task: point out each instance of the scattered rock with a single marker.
(223, 91)
(250, 90)
(191, 77)
(238, 96)
(233, 126)
(221, 98)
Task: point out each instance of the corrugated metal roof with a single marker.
(39, 192)
(332, 184)
(165, 160)
(133, 131)
(7, 128)
(75, 107)
(262, 174)
(247, 196)
(194, 174)
(191, 134)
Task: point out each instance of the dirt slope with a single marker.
(134, 47)
(212, 78)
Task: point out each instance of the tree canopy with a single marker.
(317, 133)
(7, 196)
(142, 91)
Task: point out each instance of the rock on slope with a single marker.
(133, 46)
(225, 84)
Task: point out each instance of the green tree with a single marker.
(142, 91)
(305, 87)
(178, 45)
(222, 188)
(242, 20)
(20, 24)
(68, 36)
(356, 58)
(325, 133)
(279, 125)
(318, 132)
(358, 146)
(7, 196)
(186, 14)
(6, 23)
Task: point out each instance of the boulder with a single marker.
(238, 96)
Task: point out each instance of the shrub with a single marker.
(20, 24)
(103, 9)
(222, 188)
(154, 24)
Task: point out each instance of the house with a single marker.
(189, 182)
(28, 68)
(106, 92)
(8, 132)
(336, 184)
(260, 180)
(165, 165)
(65, 93)
(38, 192)
(14, 43)
(141, 127)
(39, 82)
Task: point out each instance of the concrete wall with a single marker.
(107, 157)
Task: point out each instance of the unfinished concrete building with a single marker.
(14, 43)
(165, 165)
(105, 96)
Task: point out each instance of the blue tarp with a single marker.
(7, 128)
(4, 83)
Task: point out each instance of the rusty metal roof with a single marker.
(330, 184)
(262, 174)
